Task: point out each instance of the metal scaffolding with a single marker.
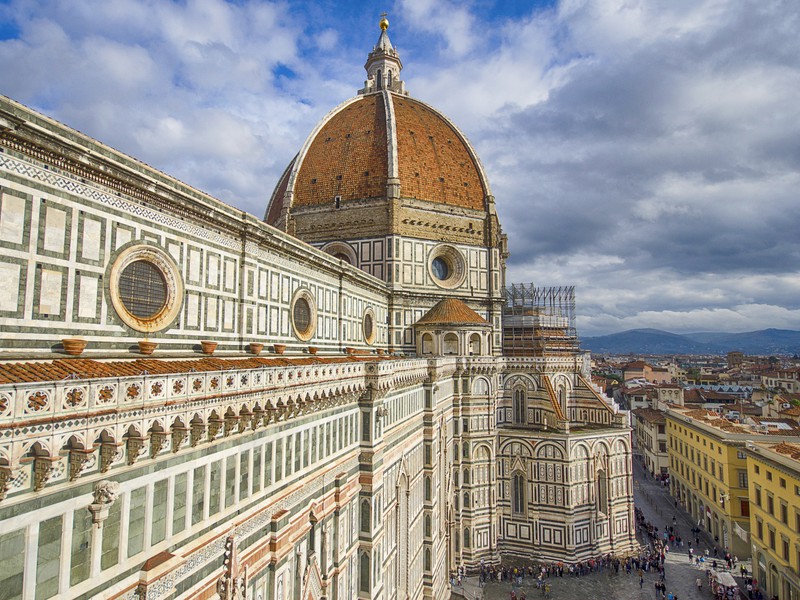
(539, 321)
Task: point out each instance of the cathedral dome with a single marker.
(380, 145)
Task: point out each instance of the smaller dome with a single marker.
(451, 311)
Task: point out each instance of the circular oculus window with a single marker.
(145, 287)
(368, 326)
(446, 267)
(304, 315)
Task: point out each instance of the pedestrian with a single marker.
(641, 582)
(699, 583)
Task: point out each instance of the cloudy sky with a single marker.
(647, 152)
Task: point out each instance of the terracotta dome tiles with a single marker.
(433, 161)
(348, 157)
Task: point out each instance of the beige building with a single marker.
(649, 426)
(342, 401)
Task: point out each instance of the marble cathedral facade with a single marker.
(407, 413)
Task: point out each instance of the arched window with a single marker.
(465, 479)
(364, 573)
(379, 79)
(465, 450)
(450, 343)
(389, 78)
(365, 516)
(518, 493)
(427, 488)
(466, 499)
(427, 343)
(466, 538)
(427, 559)
(427, 526)
(602, 492)
(475, 344)
(519, 406)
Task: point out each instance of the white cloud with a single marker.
(648, 153)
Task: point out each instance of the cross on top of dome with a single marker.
(383, 65)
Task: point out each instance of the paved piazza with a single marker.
(680, 574)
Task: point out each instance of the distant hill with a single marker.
(654, 341)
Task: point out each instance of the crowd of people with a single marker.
(540, 575)
(656, 545)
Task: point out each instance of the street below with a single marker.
(659, 509)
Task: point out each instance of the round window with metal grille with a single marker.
(145, 287)
(368, 325)
(304, 315)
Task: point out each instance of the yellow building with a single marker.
(774, 474)
(708, 473)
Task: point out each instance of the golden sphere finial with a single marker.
(384, 24)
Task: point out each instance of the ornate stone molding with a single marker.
(179, 435)
(80, 461)
(44, 470)
(109, 455)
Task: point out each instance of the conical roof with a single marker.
(451, 311)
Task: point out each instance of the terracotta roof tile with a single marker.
(650, 415)
(84, 368)
(788, 449)
(451, 311)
